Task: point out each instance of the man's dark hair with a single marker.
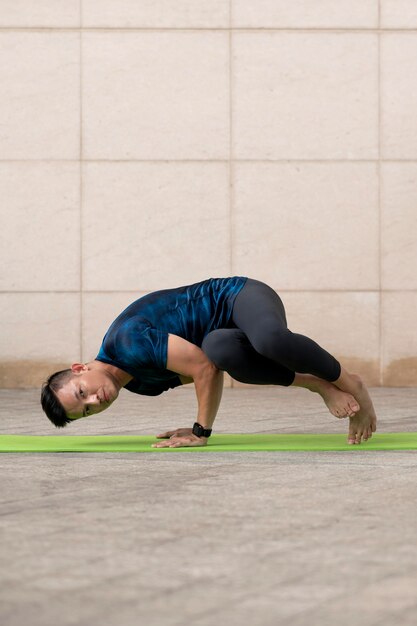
(50, 403)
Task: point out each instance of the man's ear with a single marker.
(78, 368)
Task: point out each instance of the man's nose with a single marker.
(93, 399)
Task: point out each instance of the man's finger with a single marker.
(162, 444)
(169, 443)
(178, 442)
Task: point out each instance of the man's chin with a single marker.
(113, 396)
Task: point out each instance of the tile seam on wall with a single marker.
(81, 191)
(96, 160)
(231, 170)
(225, 160)
(255, 29)
(280, 289)
(236, 160)
(380, 338)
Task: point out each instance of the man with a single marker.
(193, 334)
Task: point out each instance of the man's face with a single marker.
(89, 391)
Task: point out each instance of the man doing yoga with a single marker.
(194, 334)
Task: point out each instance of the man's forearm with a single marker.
(209, 388)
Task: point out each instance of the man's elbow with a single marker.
(206, 371)
(185, 380)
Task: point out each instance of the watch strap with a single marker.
(200, 431)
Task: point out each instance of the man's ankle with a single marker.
(310, 382)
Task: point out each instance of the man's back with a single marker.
(137, 340)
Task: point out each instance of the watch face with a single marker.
(200, 431)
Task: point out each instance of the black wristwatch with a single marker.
(200, 431)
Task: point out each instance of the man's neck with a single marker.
(120, 377)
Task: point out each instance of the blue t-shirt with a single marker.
(137, 341)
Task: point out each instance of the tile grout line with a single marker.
(231, 171)
(81, 299)
(380, 337)
(198, 29)
(330, 290)
(208, 161)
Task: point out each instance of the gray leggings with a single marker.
(258, 348)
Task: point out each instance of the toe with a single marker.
(359, 433)
(352, 435)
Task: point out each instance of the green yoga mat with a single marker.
(217, 443)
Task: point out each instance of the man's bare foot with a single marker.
(339, 403)
(363, 424)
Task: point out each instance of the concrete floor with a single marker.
(224, 539)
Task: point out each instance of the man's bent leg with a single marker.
(231, 351)
(259, 312)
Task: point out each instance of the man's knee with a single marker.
(215, 347)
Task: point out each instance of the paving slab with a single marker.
(260, 538)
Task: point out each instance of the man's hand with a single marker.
(179, 432)
(181, 441)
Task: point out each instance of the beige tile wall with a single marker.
(155, 95)
(40, 102)
(149, 144)
(305, 95)
(148, 225)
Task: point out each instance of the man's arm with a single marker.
(189, 361)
